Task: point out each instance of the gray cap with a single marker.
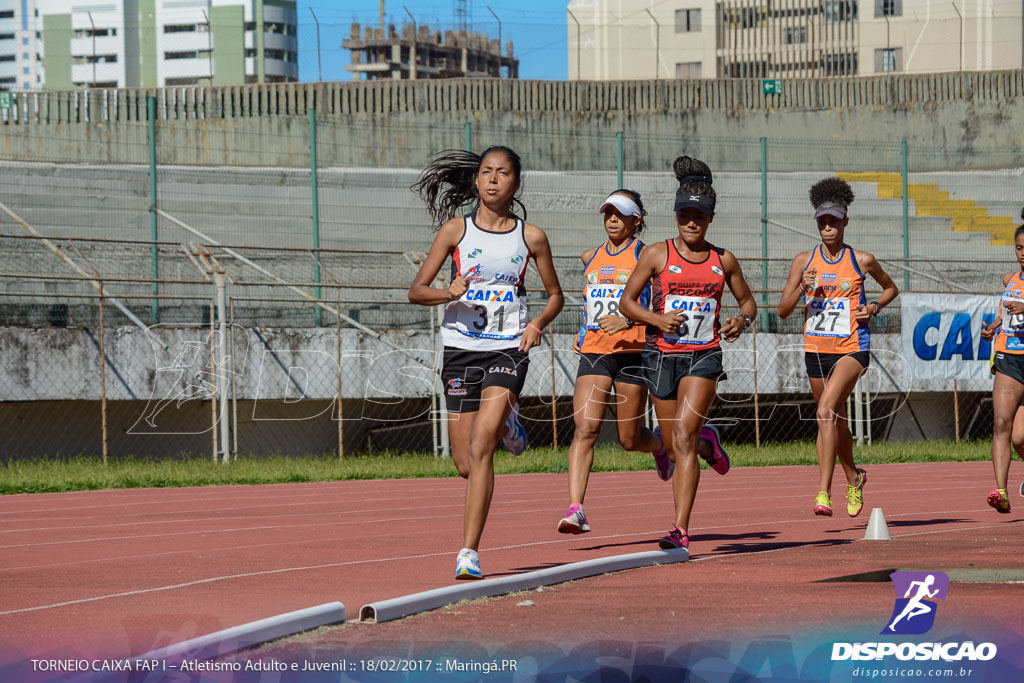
(832, 208)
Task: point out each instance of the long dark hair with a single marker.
(1020, 228)
(635, 196)
(448, 183)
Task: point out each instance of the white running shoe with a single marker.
(575, 522)
(467, 565)
(515, 440)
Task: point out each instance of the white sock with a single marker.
(469, 552)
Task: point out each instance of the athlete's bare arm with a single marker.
(870, 265)
(988, 332)
(421, 291)
(651, 262)
(731, 327)
(796, 284)
(537, 241)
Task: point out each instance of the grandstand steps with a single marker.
(965, 214)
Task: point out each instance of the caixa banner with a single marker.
(942, 335)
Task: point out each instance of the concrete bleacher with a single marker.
(374, 209)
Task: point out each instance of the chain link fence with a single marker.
(304, 341)
(270, 350)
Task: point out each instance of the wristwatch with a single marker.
(629, 323)
(747, 318)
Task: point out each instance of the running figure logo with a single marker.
(914, 613)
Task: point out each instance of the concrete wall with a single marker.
(554, 125)
(286, 385)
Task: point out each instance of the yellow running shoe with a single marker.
(855, 494)
(823, 504)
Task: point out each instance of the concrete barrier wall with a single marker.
(296, 365)
(287, 388)
(975, 117)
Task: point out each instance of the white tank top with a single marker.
(491, 315)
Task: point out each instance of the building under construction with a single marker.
(417, 52)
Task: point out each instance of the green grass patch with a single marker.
(81, 474)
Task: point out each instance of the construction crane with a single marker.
(462, 10)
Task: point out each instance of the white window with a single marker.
(888, 59)
(794, 35)
(687, 20)
(888, 8)
(688, 70)
(839, 10)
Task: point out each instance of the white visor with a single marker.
(625, 205)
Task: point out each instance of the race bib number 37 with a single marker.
(827, 317)
(698, 319)
(602, 300)
(491, 312)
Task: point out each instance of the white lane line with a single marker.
(644, 494)
(205, 494)
(647, 534)
(494, 513)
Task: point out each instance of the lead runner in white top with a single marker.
(490, 182)
(491, 314)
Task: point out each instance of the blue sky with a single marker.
(537, 27)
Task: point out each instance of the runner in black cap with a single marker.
(682, 359)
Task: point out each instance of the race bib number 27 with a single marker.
(827, 317)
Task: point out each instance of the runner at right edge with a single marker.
(1008, 368)
(837, 337)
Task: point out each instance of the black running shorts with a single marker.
(662, 371)
(621, 367)
(465, 374)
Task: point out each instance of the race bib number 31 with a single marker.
(827, 317)
(602, 300)
(698, 319)
(491, 312)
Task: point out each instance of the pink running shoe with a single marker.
(719, 460)
(999, 500)
(676, 538)
(666, 468)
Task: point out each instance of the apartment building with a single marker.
(645, 39)
(125, 43)
(18, 63)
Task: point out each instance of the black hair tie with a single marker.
(695, 178)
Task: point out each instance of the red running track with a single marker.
(117, 573)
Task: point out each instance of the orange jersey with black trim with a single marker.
(695, 289)
(830, 325)
(606, 275)
(1011, 333)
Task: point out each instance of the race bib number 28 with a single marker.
(698, 319)
(601, 300)
(827, 317)
(491, 312)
